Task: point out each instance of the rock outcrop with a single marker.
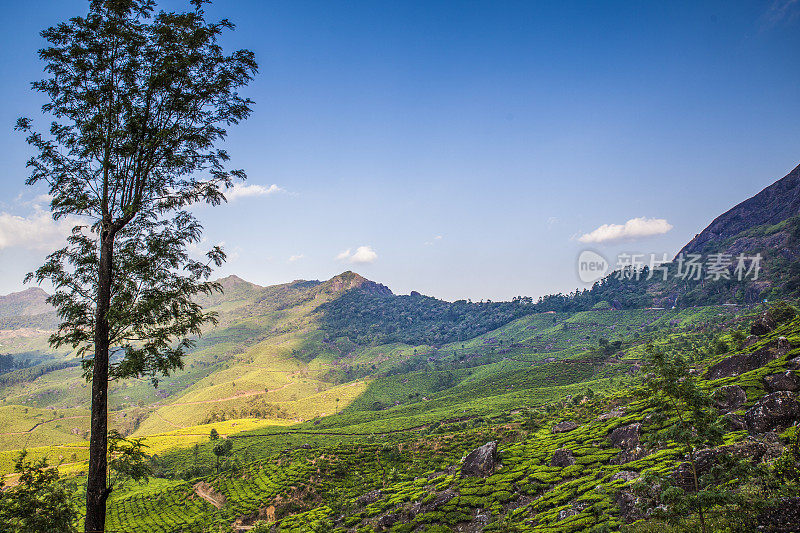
(729, 398)
(627, 439)
(625, 475)
(755, 450)
(741, 363)
(783, 518)
(564, 427)
(562, 457)
(776, 203)
(785, 381)
(480, 461)
(776, 410)
(762, 325)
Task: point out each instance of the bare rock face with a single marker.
(787, 381)
(773, 411)
(562, 458)
(627, 439)
(750, 340)
(735, 422)
(741, 363)
(388, 520)
(762, 325)
(564, 427)
(626, 502)
(480, 461)
(440, 499)
(729, 398)
(614, 413)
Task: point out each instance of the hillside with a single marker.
(766, 225)
(573, 459)
(351, 408)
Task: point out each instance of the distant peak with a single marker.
(233, 278)
(349, 280)
(31, 292)
(235, 281)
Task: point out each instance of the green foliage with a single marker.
(415, 319)
(139, 102)
(40, 501)
(720, 347)
(127, 460)
(222, 448)
(787, 466)
(129, 169)
(684, 414)
(782, 312)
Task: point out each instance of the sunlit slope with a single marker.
(271, 360)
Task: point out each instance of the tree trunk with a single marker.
(96, 490)
(697, 491)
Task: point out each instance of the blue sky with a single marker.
(461, 149)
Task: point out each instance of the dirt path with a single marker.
(41, 424)
(207, 492)
(229, 398)
(219, 400)
(167, 421)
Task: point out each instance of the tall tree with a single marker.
(684, 414)
(140, 100)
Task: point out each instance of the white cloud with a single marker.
(635, 228)
(362, 255)
(35, 232)
(241, 190)
(293, 258)
(430, 243)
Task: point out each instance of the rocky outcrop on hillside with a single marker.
(480, 461)
(564, 427)
(349, 280)
(738, 364)
(773, 411)
(729, 398)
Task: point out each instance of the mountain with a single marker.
(766, 226)
(25, 303)
(774, 204)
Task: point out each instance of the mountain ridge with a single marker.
(773, 204)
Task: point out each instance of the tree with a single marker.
(222, 449)
(139, 101)
(213, 435)
(127, 460)
(685, 415)
(40, 501)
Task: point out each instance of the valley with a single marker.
(337, 405)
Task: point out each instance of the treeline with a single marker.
(417, 319)
(26, 375)
(8, 363)
(414, 319)
(253, 408)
